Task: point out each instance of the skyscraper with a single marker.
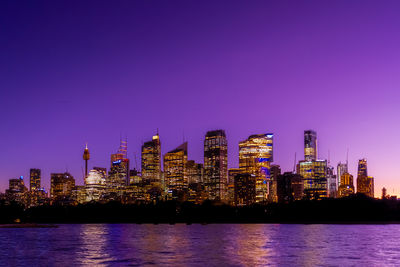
(175, 172)
(365, 183)
(314, 171)
(255, 157)
(331, 182)
(362, 168)
(118, 176)
(346, 186)
(342, 168)
(151, 159)
(310, 145)
(273, 185)
(216, 164)
(195, 172)
(86, 157)
(34, 179)
(315, 178)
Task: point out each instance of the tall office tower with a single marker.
(365, 183)
(245, 189)
(362, 168)
(86, 157)
(290, 187)
(118, 176)
(175, 173)
(273, 185)
(61, 185)
(195, 172)
(151, 160)
(314, 177)
(255, 157)
(342, 168)
(216, 164)
(331, 180)
(34, 179)
(346, 186)
(310, 145)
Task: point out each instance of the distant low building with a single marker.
(290, 187)
(245, 189)
(61, 187)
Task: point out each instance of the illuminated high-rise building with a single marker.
(313, 170)
(362, 168)
(95, 185)
(255, 157)
(342, 168)
(34, 179)
(17, 191)
(315, 178)
(61, 186)
(195, 172)
(216, 164)
(365, 183)
(118, 176)
(175, 174)
(331, 182)
(346, 186)
(86, 157)
(310, 145)
(273, 184)
(151, 159)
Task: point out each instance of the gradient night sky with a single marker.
(88, 71)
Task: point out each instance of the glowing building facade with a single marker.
(95, 185)
(331, 181)
(118, 176)
(255, 157)
(216, 164)
(365, 183)
(176, 179)
(314, 175)
(151, 160)
(273, 184)
(342, 168)
(34, 179)
(195, 172)
(346, 186)
(61, 186)
(310, 145)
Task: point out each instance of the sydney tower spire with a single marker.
(86, 157)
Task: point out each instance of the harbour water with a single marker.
(202, 245)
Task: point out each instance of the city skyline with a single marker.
(259, 141)
(106, 71)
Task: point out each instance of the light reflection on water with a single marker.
(202, 245)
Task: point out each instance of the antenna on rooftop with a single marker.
(294, 165)
(329, 157)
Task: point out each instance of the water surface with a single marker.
(202, 245)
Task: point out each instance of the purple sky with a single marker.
(88, 71)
